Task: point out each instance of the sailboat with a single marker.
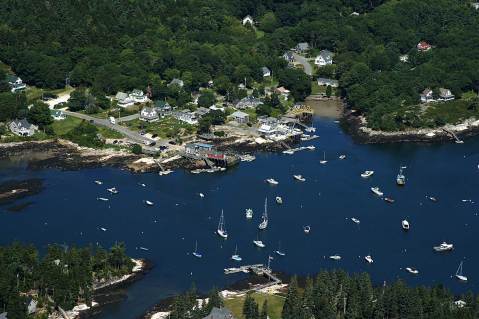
(401, 178)
(459, 274)
(236, 257)
(196, 253)
(221, 231)
(249, 213)
(264, 223)
(279, 251)
(323, 161)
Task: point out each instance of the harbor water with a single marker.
(67, 212)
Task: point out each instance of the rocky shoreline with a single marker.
(355, 125)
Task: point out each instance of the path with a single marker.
(62, 97)
(308, 69)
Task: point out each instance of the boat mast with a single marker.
(265, 214)
(459, 270)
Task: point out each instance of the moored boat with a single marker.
(459, 274)
(149, 203)
(264, 219)
(323, 161)
(412, 270)
(221, 231)
(259, 243)
(249, 213)
(377, 191)
(279, 252)
(279, 200)
(196, 253)
(367, 174)
(102, 199)
(299, 178)
(405, 224)
(112, 190)
(389, 200)
(444, 247)
(401, 178)
(272, 181)
(369, 259)
(235, 256)
(355, 220)
(99, 182)
(307, 229)
(335, 257)
(342, 156)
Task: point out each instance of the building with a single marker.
(325, 57)
(149, 114)
(202, 111)
(32, 306)
(404, 58)
(288, 56)
(3, 315)
(58, 115)
(445, 95)
(15, 82)
(162, 107)
(186, 116)
(176, 82)
(248, 20)
(138, 96)
(475, 5)
(302, 47)
(423, 46)
(22, 128)
(219, 313)
(328, 82)
(460, 303)
(248, 102)
(266, 72)
(427, 96)
(240, 117)
(124, 100)
(282, 91)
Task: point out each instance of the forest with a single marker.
(60, 276)
(126, 44)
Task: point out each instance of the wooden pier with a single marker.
(259, 270)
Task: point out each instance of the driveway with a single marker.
(308, 69)
(62, 97)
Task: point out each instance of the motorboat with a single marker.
(307, 229)
(401, 178)
(377, 191)
(165, 172)
(431, 198)
(112, 190)
(369, 259)
(142, 184)
(201, 195)
(149, 203)
(459, 274)
(103, 229)
(289, 152)
(279, 200)
(272, 181)
(249, 213)
(310, 147)
(367, 174)
(355, 220)
(412, 270)
(144, 248)
(279, 252)
(342, 156)
(389, 200)
(235, 256)
(299, 178)
(335, 257)
(102, 199)
(310, 129)
(247, 158)
(264, 219)
(259, 243)
(444, 247)
(405, 225)
(99, 182)
(221, 231)
(196, 253)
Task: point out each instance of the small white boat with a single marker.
(299, 178)
(412, 270)
(99, 182)
(149, 203)
(355, 220)
(249, 213)
(201, 195)
(142, 184)
(247, 158)
(144, 248)
(369, 259)
(279, 200)
(459, 274)
(289, 152)
(310, 129)
(377, 191)
(272, 181)
(165, 172)
(444, 247)
(279, 252)
(112, 190)
(401, 178)
(310, 147)
(431, 198)
(323, 161)
(335, 257)
(405, 225)
(103, 229)
(102, 199)
(196, 253)
(307, 229)
(235, 256)
(367, 174)
(342, 156)
(259, 243)
(221, 231)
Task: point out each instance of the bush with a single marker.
(85, 134)
(219, 133)
(136, 149)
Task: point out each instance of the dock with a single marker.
(454, 136)
(259, 270)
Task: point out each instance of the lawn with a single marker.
(165, 128)
(62, 127)
(33, 93)
(275, 305)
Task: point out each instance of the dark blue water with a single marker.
(67, 212)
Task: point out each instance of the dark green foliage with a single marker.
(85, 134)
(250, 307)
(64, 275)
(186, 307)
(206, 99)
(12, 106)
(136, 149)
(329, 91)
(39, 114)
(215, 117)
(297, 82)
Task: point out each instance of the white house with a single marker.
(475, 5)
(240, 117)
(325, 57)
(248, 20)
(22, 128)
(426, 96)
(248, 102)
(445, 95)
(288, 56)
(284, 92)
(266, 72)
(138, 96)
(149, 114)
(302, 47)
(327, 82)
(32, 306)
(16, 83)
(58, 115)
(186, 116)
(404, 58)
(124, 99)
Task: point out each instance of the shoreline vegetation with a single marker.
(63, 278)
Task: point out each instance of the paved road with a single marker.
(128, 118)
(308, 69)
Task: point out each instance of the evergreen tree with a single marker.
(264, 310)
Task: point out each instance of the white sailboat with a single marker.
(342, 156)
(259, 243)
(335, 257)
(249, 213)
(367, 174)
(98, 182)
(103, 229)
(264, 222)
(196, 253)
(235, 256)
(459, 274)
(412, 270)
(272, 181)
(323, 161)
(112, 190)
(299, 178)
(279, 200)
(221, 231)
(355, 220)
(279, 252)
(102, 199)
(369, 259)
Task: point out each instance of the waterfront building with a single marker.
(22, 128)
(58, 115)
(149, 114)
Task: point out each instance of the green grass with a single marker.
(62, 127)
(109, 133)
(275, 305)
(33, 93)
(469, 95)
(165, 128)
(259, 34)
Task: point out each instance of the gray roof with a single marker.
(326, 54)
(240, 114)
(327, 81)
(3, 315)
(219, 313)
(121, 96)
(23, 123)
(265, 70)
(177, 82)
(302, 46)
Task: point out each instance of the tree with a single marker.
(329, 91)
(297, 82)
(250, 307)
(39, 114)
(206, 99)
(264, 310)
(136, 149)
(292, 304)
(268, 22)
(78, 100)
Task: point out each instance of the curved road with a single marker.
(308, 69)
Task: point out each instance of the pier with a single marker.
(259, 270)
(453, 135)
